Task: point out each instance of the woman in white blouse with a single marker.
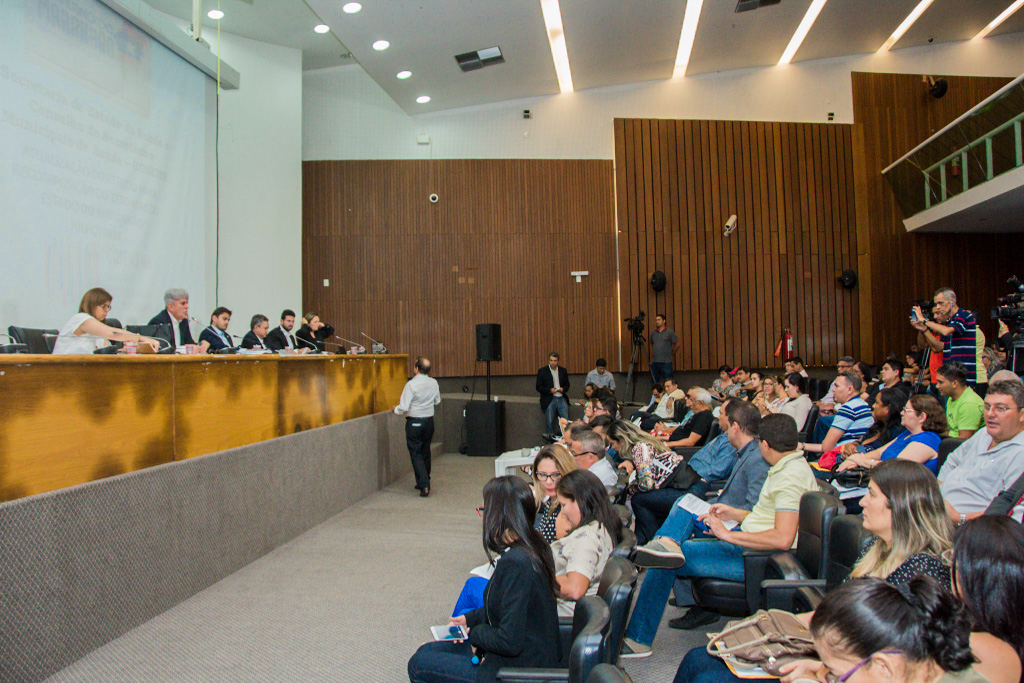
(85, 332)
(799, 404)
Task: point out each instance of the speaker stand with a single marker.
(488, 380)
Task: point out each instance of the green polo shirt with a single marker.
(967, 412)
(788, 480)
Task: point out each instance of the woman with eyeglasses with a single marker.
(552, 463)
(86, 332)
(518, 624)
(924, 423)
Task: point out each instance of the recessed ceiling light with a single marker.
(1003, 16)
(906, 24)
(381, 45)
(423, 99)
(321, 28)
(351, 7)
(403, 74)
(801, 31)
(215, 14)
(686, 36)
(556, 37)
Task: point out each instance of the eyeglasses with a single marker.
(105, 307)
(544, 476)
(831, 677)
(583, 453)
(999, 409)
(480, 511)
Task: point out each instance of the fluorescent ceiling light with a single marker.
(423, 99)
(556, 36)
(215, 14)
(351, 7)
(801, 31)
(403, 74)
(907, 23)
(1000, 19)
(381, 45)
(686, 37)
(321, 28)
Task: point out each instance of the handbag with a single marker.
(858, 477)
(768, 638)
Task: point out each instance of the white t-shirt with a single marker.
(68, 343)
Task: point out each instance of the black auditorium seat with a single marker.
(606, 673)
(947, 446)
(37, 340)
(846, 540)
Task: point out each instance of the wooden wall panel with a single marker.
(728, 299)
(892, 115)
(497, 248)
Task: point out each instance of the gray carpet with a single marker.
(349, 600)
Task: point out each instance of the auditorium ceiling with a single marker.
(608, 42)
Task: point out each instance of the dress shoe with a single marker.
(424, 492)
(694, 618)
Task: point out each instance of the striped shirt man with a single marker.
(854, 419)
(961, 346)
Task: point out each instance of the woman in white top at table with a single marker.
(85, 332)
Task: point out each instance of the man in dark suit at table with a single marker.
(553, 385)
(216, 337)
(175, 316)
(255, 338)
(282, 337)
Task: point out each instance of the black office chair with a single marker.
(606, 673)
(113, 322)
(810, 557)
(617, 589)
(627, 546)
(37, 340)
(590, 623)
(947, 446)
(736, 598)
(809, 424)
(846, 541)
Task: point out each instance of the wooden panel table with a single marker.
(66, 420)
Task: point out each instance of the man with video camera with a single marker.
(954, 331)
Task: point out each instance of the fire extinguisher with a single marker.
(785, 346)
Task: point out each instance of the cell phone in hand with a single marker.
(449, 632)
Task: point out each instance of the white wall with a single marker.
(346, 115)
(260, 170)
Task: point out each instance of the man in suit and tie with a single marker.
(255, 338)
(553, 385)
(216, 337)
(175, 316)
(282, 337)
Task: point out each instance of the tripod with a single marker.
(926, 357)
(639, 343)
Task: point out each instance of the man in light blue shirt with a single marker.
(600, 377)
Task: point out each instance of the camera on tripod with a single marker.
(1011, 307)
(636, 323)
(926, 306)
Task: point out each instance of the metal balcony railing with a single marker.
(981, 144)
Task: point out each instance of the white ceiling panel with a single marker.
(1013, 24)
(728, 40)
(612, 42)
(425, 37)
(949, 20)
(841, 29)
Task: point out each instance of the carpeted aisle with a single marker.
(349, 600)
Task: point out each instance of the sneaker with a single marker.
(694, 618)
(633, 649)
(661, 553)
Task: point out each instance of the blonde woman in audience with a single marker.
(85, 332)
(552, 463)
(771, 400)
(650, 458)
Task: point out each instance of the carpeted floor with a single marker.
(349, 600)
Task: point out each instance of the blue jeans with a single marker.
(821, 428)
(661, 371)
(652, 508)
(559, 407)
(442, 662)
(700, 667)
(705, 557)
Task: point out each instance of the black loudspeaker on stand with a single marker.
(485, 428)
(488, 348)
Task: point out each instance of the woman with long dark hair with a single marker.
(518, 624)
(580, 557)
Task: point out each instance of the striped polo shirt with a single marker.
(961, 346)
(854, 418)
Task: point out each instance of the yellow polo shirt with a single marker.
(788, 480)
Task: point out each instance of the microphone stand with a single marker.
(383, 349)
(354, 344)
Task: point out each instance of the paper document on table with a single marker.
(699, 507)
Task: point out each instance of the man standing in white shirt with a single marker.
(419, 397)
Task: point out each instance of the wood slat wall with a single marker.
(892, 115)
(728, 299)
(497, 247)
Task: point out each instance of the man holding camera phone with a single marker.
(954, 331)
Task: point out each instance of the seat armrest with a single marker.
(754, 563)
(565, 636)
(786, 567)
(779, 594)
(812, 597)
(515, 675)
(686, 451)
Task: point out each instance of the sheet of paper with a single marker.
(699, 507)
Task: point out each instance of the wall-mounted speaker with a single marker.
(488, 342)
(658, 281)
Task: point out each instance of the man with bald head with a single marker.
(419, 397)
